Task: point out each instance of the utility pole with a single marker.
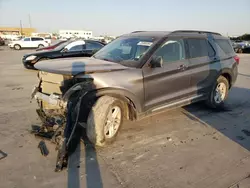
(21, 27)
(30, 21)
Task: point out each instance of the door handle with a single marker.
(182, 67)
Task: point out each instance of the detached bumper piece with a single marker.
(44, 150)
(57, 127)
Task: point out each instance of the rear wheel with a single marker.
(219, 93)
(17, 47)
(104, 120)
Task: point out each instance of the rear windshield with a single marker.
(225, 46)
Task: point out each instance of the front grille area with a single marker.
(50, 84)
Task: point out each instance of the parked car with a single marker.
(29, 42)
(78, 48)
(136, 75)
(51, 47)
(2, 42)
(241, 46)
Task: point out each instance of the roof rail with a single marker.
(194, 31)
(137, 31)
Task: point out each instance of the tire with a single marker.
(17, 47)
(216, 100)
(28, 66)
(96, 130)
(40, 46)
(42, 59)
(240, 51)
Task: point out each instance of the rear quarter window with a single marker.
(225, 46)
(200, 48)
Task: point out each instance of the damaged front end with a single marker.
(59, 98)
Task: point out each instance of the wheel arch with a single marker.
(132, 105)
(228, 75)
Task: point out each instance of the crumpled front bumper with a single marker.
(51, 99)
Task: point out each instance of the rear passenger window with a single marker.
(36, 39)
(224, 45)
(200, 48)
(171, 50)
(93, 46)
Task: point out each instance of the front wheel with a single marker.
(219, 93)
(104, 120)
(17, 47)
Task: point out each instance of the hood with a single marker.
(74, 66)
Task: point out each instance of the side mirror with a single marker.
(64, 50)
(156, 61)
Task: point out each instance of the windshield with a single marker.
(126, 50)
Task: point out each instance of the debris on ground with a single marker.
(2, 155)
(169, 139)
(43, 148)
(17, 88)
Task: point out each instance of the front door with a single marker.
(26, 43)
(170, 82)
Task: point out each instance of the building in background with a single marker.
(12, 32)
(44, 35)
(75, 33)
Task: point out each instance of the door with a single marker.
(91, 48)
(170, 82)
(202, 63)
(35, 42)
(74, 49)
(26, 43)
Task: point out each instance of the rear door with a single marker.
(163, 85)
(202, 63)
(91, 48)
(35, 42)
(75, 50)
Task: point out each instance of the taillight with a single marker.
(237, 59)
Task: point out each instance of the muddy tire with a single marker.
(219, 93)
(17, 47)
(104, 121)
(40, 46)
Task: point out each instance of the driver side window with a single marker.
(26, 39)
(171, 51)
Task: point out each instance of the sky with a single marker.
(116, 17)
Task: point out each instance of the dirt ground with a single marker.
(190, 147)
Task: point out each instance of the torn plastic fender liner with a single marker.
(85, 85)
(69, 132)
(70, 127)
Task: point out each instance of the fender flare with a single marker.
(119, 93)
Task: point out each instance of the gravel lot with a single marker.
(182, 148)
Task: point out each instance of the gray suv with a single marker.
(135, 75)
